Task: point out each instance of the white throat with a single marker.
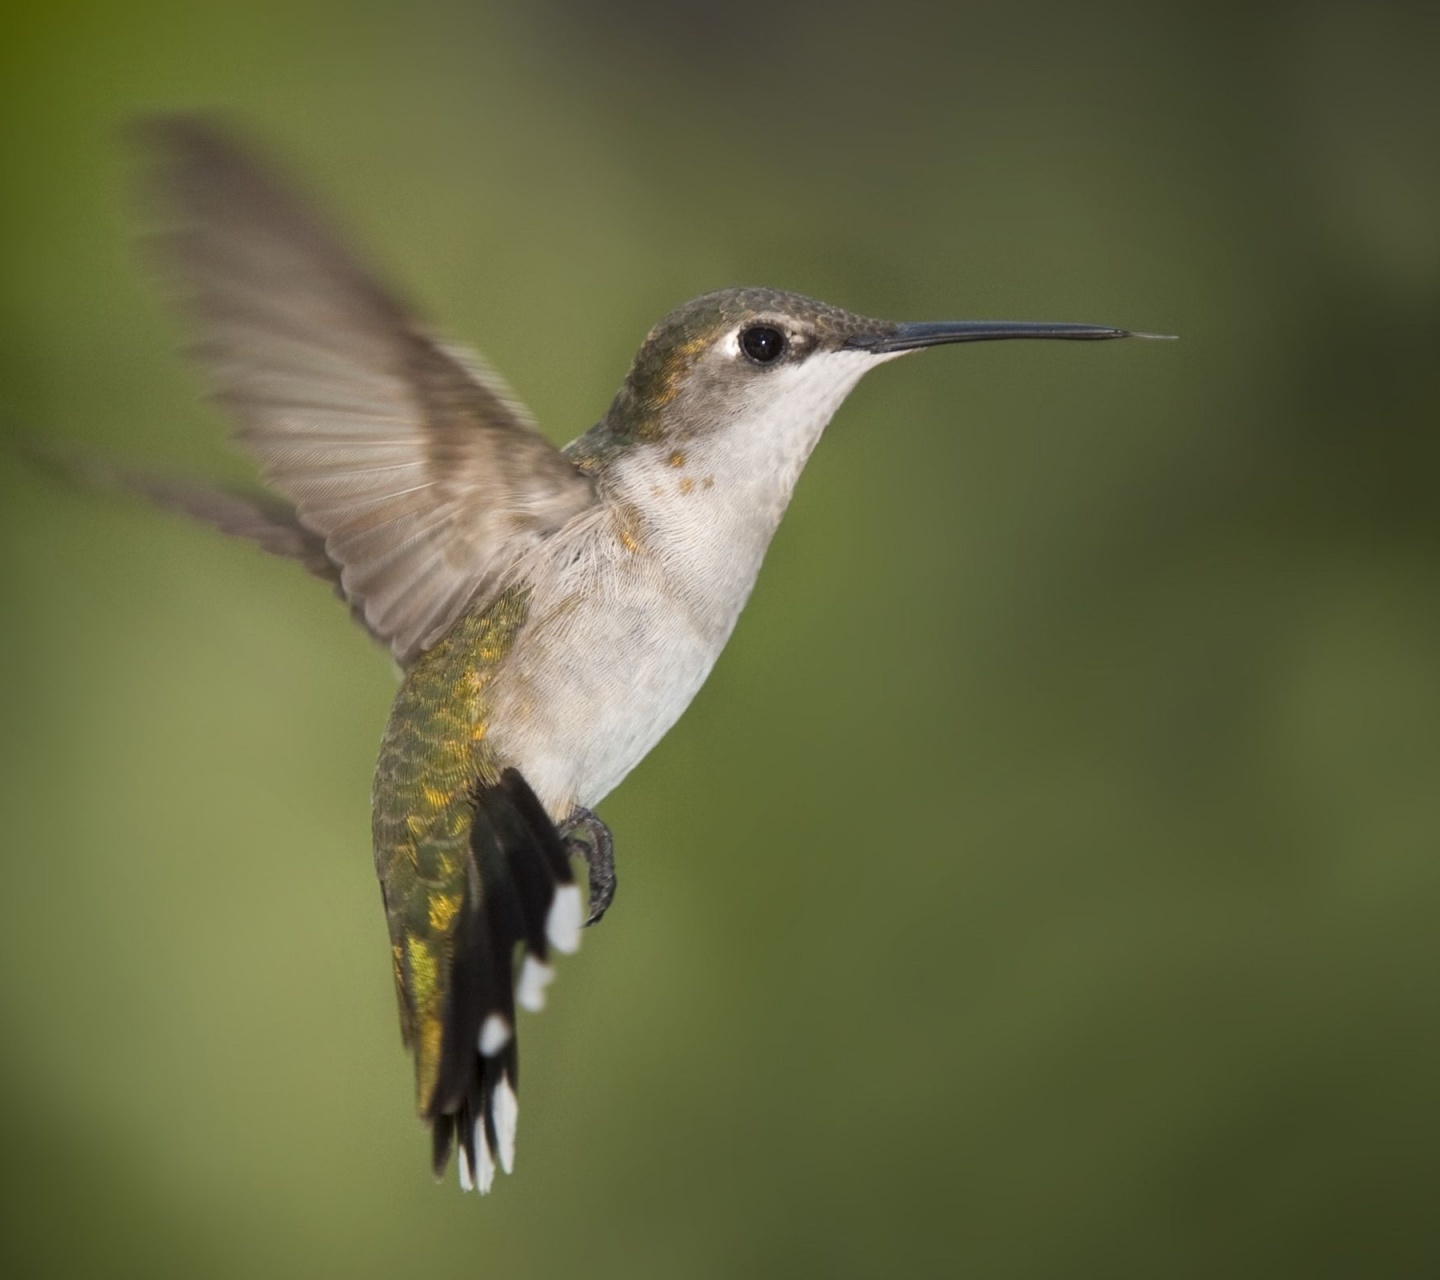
(710, 504)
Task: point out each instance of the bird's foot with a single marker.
(585, 836)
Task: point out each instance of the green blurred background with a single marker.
(1046, 882)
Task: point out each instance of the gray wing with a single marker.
(268, 522)
(425, 479)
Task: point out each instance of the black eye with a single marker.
(762, 343)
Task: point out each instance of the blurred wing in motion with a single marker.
(269, 522)
(409, 460)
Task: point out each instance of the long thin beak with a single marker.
(910, 337)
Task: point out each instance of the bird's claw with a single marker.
(585, 836)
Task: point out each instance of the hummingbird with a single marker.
(552, 611)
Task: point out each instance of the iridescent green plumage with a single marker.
(433, 755)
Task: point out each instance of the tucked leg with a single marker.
(584, 835)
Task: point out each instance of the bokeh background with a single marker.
(1046, 884)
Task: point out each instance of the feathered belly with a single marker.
(618, 641)
(592, 686)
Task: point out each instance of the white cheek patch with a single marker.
(715, 515)
(790, 406)
(815, 386)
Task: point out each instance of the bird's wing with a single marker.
(269, 522)
(413, 462)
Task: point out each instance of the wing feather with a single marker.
(410, 459)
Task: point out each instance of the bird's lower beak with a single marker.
(910, 337)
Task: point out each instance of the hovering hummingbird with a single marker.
(552, 611)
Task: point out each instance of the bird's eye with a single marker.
(763, 343)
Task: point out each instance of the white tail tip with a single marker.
(562, 926)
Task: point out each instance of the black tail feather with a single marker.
(518, 866)
(442, 1134)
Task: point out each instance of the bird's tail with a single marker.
(520, 900)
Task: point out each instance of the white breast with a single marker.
(631, 606)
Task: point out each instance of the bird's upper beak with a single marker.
(893, 339)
